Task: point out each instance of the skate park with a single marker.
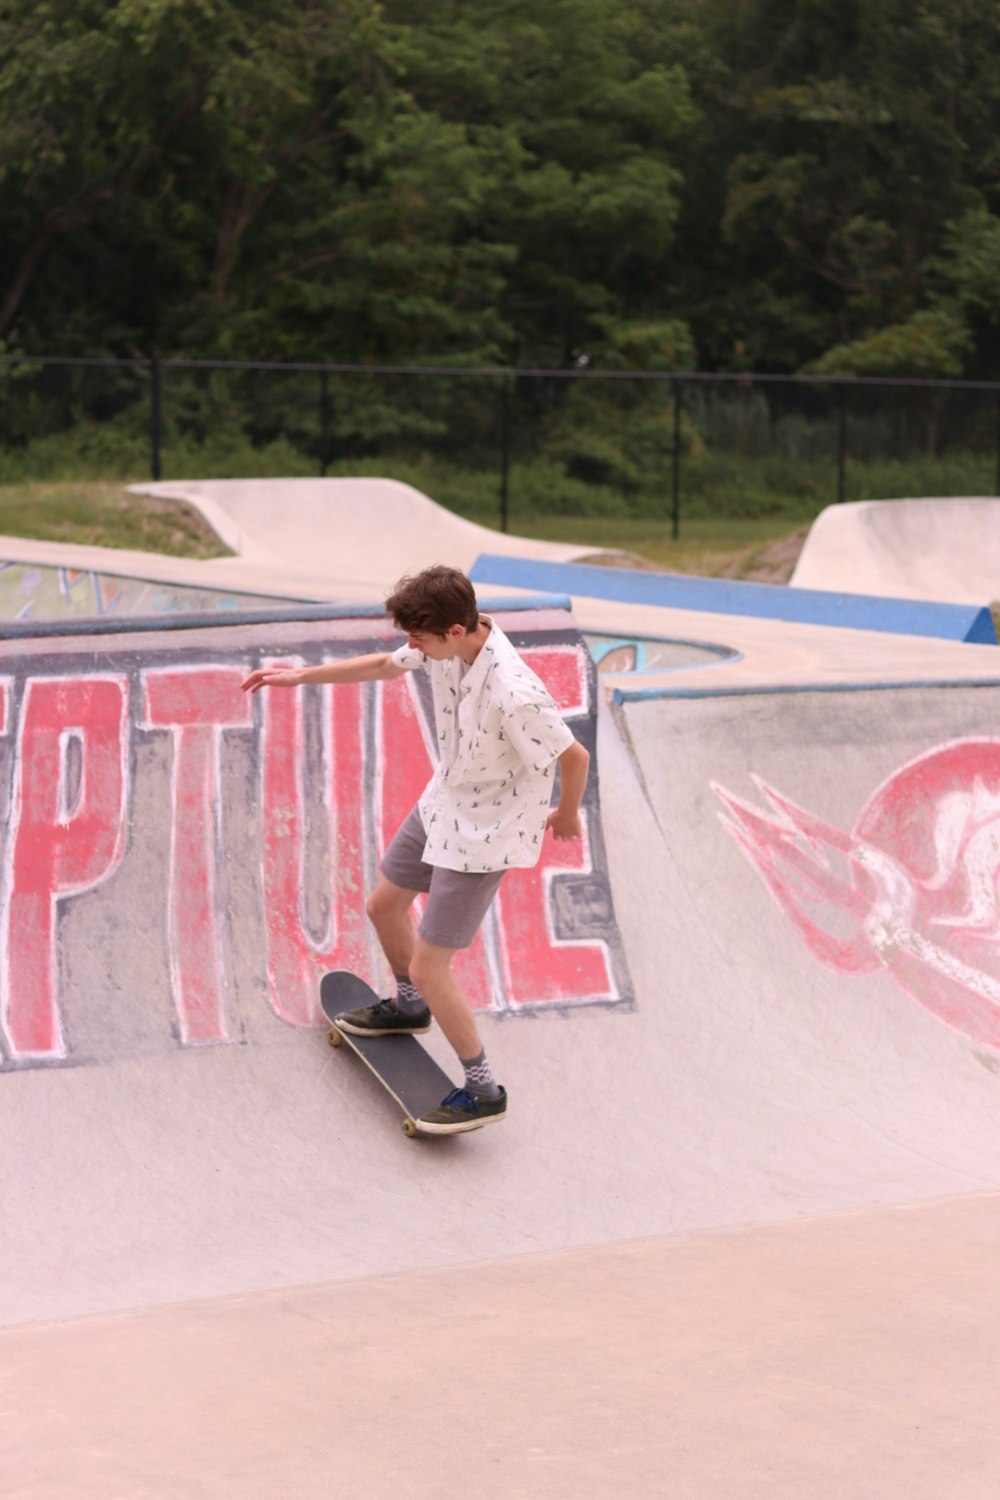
(738, 1236)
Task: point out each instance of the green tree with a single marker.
(847, 138)
(967, 279)
(141, 144)
(929, 346)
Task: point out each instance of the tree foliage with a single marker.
(770, 185)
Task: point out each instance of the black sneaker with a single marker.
(383, 1019)
(463, 1111)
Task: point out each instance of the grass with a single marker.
(714, 546)
(747, 498)
(107, 515)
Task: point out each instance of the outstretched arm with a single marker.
(574, 768)
(374, 668)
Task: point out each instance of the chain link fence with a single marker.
(508, 447)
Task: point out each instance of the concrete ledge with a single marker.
(221, 620)
(955, 622)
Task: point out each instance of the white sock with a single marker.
(479, 1078)
(409, 1000)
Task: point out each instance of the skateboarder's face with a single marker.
(437, 647)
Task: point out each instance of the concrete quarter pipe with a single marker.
(766, 987)
(739, 1000)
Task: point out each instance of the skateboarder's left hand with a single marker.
(564, 825)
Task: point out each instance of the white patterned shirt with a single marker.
(499, 734)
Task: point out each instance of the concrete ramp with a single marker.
(941, 549)
(361, 532)
(310, 540)
(767, 985)
(825, 855)
(182, 863)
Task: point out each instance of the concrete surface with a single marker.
(767, 653)
(186, 1080)
(853, 1356)
(32, 591)
(738, 1237)
(342, 540)
(304, 528)
(944, 549)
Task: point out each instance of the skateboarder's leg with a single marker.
(430, 970)
(388, 907)
(482, 1101)
(388, 910)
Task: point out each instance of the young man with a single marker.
(485, 810)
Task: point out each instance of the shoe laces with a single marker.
(462, 1102)
(384, 1009)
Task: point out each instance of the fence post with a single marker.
(841, 441)
(155, 415)
(504, 451)
(675, 529)
(325, 443)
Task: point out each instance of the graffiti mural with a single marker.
(32, 591)
(620, 653)
(911, 888)
(178, 854)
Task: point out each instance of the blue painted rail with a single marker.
(719, 596)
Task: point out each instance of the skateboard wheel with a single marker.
(410, 1127)
(335, 1037)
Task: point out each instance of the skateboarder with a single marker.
(485, 811)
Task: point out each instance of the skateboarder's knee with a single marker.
(428, 963)
(387, 901)
(375, 905)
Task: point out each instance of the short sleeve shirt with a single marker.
(499, 735)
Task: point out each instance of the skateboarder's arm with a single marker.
(574, 768)
(376, 667)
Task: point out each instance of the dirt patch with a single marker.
(616, 558)
(178, 529)
(770, 562)
(107, 515)
(773, 563)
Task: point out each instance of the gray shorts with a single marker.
(457, 901)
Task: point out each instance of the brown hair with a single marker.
(432, 601)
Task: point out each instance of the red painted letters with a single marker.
(66, 834)
(295, 959)
(196, 704)
(540, 967)
(336, 772)
(404, 769)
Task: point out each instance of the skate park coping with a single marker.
(957, 622)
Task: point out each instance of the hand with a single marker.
(564, 825)
(271, 677)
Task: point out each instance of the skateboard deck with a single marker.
(400, 1064)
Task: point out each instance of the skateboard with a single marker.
(400, 1064)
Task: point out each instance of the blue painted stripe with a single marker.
(513, 602)
(762, 690)
(953, 622)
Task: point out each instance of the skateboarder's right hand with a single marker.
(272, 677)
